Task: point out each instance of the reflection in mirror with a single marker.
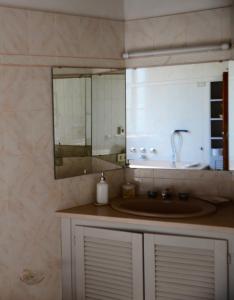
(177, 117)
(231, 114)
(89, 120)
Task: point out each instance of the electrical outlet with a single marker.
(121, 157)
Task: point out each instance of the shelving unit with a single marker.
(216, 100)
(216, 124)
(216, 119)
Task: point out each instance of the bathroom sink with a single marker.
(172, 208)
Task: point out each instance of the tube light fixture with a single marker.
(174, 51)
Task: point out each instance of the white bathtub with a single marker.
(159, 164)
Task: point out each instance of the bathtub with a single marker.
(159, 164)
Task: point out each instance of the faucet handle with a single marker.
(153, 150)
(165, 194)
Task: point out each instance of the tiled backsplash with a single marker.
(195, 182)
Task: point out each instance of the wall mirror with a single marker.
(89, 120)
(177, 116)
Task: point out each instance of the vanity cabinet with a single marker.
(109, 264)
(184, 268)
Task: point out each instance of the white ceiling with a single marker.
(118, 9)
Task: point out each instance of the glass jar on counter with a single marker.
(128, 191)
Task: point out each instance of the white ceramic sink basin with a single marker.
(164, 209)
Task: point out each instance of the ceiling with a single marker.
(118, 9)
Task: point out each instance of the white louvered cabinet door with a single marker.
(185, 268)
(109, 265)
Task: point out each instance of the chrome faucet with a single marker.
(177, 147)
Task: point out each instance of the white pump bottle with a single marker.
(102, 191)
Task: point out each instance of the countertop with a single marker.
(222, 219)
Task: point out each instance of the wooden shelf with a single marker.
(216, 138)
(216, 100)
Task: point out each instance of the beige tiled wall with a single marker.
(180, 30)
(30, 42)
(195, 182)
(33, 37)
(29, 195)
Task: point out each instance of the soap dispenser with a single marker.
(102, 191)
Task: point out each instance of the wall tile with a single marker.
(195, 175)
(197, 187)
(143, 185)
(24, 137)
(42, 36)
(33, 228)
(203, 182)
(5, 261)
(25, 89)
(202, 28)
(170, 31)
(70, 192)
(87, 186)
(187, 29)
(68, 37)
(29, 195)
(4, 235)
(115, 180)
(129, 174)
(13, 31)
(139, 34)
(107, 36)
(12, 83)
(146, 173)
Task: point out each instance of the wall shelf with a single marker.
(216, 100)
(216, 123)
(216, 138)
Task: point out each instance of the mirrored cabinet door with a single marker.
(89, 120)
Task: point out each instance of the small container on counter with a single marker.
(128, 191)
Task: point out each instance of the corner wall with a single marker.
(30, 43)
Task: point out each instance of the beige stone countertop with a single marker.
(222, 219)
